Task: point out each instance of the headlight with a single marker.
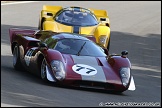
(58, 69)
(125, 75)
(103, 39)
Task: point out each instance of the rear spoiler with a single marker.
(99, 13)
(50, 9)
(102, 16)
(14, 31)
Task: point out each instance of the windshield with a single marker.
(75, 18)
(79, 47)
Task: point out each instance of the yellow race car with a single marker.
(77, 20)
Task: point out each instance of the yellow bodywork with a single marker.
(100, 31)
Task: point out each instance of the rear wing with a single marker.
(99, 13)
(15, 31)
(102, 16)
(50, 9)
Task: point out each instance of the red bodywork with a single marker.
(111, 65)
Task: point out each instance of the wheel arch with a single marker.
(102, 31)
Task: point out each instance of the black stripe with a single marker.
(76, 29)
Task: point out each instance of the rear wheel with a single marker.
(16, 58)
(43, 70)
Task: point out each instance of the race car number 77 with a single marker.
(84, 69)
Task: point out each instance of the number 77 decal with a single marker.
(84, 69)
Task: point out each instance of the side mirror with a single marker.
(124, 53)
(49, 14)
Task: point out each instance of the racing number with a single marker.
(80, 67)
(88, 69)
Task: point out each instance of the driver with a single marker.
(66, 46)
(63, 45)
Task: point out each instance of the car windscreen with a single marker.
(75, 18)
(79, 47)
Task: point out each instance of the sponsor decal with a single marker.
(83, 69)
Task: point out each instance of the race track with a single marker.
(135, 26)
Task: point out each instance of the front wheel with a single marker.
(108, 46)
(16, 58)
(43, 70)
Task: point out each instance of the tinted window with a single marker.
(75, 46)
(75, 18)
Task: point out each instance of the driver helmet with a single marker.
(63, 44)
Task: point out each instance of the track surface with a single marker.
(135, 26)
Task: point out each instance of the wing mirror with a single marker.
(124, 53)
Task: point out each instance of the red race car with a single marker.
(70, 59)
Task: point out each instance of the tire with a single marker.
(43, 70)
(108, 46)
(16, 58)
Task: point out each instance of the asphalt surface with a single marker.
(135, 26)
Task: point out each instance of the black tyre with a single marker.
(108, 46)
(43, 70)
(16, 58)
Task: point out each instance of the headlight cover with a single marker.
(103, 39)
(125, 75)
(58, 69)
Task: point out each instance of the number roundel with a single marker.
(83, 69)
